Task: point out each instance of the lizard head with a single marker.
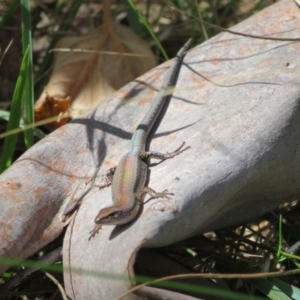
(114, 215)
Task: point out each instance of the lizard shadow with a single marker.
(121, 228)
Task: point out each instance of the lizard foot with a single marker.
(155, 195)
(94, 231)
(163, 156)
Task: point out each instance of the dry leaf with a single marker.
(51, 107)
(86, 78)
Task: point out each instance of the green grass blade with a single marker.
(4, 114)
(15, 115)
(288, 289)
(134, 21)
(28, 92)
(143, 20)
(279, 249)
(140, 279)
(269, 289)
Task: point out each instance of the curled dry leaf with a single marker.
(51, 107)
(90, 68)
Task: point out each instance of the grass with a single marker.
(15, 113)
(253, 248)
(28, 94)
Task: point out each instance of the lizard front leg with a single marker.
(154, 194)
(145, 155)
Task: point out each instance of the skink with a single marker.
(129, 177)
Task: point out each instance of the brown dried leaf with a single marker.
(86, 78)
(51, 107)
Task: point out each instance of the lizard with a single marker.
(129, 177)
